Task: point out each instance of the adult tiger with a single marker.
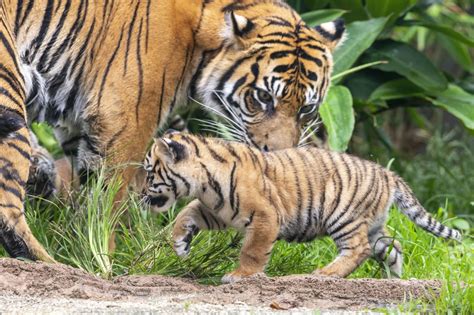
(105, 74)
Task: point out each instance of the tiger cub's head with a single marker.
(166, 163)
(271, 72)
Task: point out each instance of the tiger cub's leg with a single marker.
(353, 245)
(387, 249)
(261, 233)
(193, 218)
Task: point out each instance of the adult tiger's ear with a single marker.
(237, 27)
(171, 150)
(332, 33)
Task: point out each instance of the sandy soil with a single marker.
(35, 287)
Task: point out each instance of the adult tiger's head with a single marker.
(270, 73)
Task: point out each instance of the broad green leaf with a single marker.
(391, 8)
(362, 84)
(458, 102)
(360, 36)
(458, 52)
(315, 5)
(396, 89)
(337, 114)
(408, 62)
(448, 31)
(461, 224)
(355, 8)
(314, 18)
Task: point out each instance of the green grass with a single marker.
(78, 234)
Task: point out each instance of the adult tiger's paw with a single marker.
(42, 179)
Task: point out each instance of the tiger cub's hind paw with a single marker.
(237, 276)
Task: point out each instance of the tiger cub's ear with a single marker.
(333, 33)
(237, 27)
(171, 150)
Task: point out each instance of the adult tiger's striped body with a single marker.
(106, 74)
(292, 194)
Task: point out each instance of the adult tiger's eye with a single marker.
(307, 109)
(264, 97)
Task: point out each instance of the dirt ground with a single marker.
(43, 288)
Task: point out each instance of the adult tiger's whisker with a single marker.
(218, 113)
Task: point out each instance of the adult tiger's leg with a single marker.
(15, 150)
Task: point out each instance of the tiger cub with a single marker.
(292, 194)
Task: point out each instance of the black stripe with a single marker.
(349, 232)
(160, 104)
(185, 182)
(39, 39)
(216, 187)
(232, 188)
(129, 37)
(54, 37)
(107, 69)
(140, 71)
(204, 217)
(216, 156)
(250, 219)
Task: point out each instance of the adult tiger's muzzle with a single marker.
(275, 133)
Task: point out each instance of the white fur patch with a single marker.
(329, 27)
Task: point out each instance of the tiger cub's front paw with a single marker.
(182, 248)
(182, 240)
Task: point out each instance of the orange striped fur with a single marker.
(106, 74)
(292, 194)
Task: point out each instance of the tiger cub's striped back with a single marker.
(293, 194)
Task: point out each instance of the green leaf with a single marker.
(458, 102)
(355, 8)
(459, 52)
(377, 8)
(396, 89)
(461, 224)
(314, 18)
(408, 62)
(360, 36)
(391, 8)
(448, 31)
(338, 117)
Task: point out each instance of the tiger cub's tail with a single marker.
(411, 207)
